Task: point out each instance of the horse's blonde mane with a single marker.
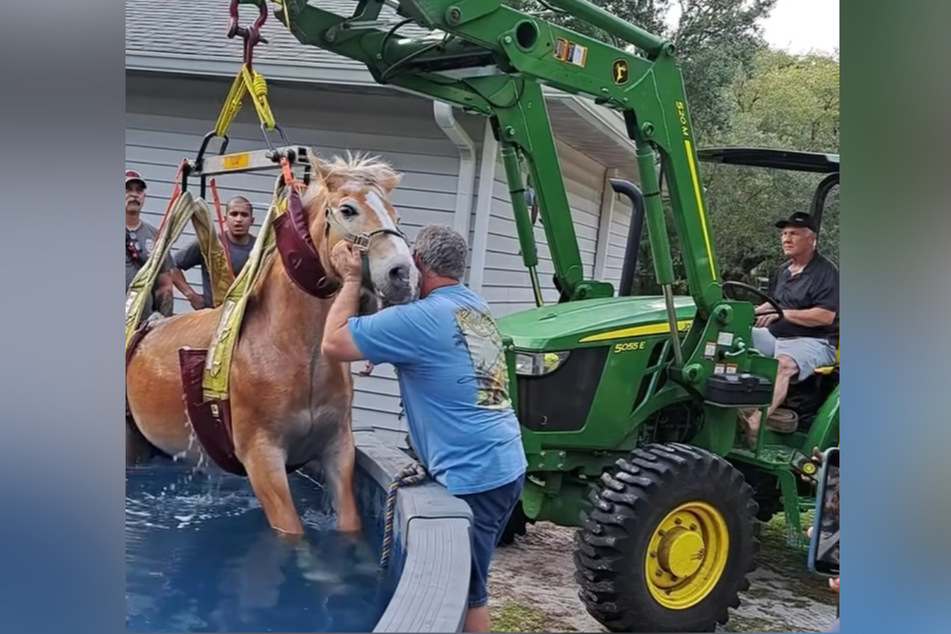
(367, 169)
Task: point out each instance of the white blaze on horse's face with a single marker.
(392, 272)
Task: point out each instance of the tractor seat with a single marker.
(829, 369)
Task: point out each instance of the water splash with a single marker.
(200, 557)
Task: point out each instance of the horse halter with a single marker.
(299, 255)
(360, 241)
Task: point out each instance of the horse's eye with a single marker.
(348, 211)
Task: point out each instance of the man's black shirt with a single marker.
(817, 285)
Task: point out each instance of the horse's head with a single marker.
(350, 200)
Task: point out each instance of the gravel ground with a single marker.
(532, 588)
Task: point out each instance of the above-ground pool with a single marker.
(200, 556)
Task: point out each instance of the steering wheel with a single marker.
(777, 309)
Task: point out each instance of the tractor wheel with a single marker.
(517, 525)
(668, 543)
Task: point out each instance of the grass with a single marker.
(740, 623)
(791, 563)
(512, 616)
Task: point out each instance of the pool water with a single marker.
(200, 557)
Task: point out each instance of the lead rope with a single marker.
(409, 475)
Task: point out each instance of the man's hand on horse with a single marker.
(346, 259)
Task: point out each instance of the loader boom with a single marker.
(491, 59)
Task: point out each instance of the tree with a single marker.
(785, 101)
(739, 92)
(714, 40)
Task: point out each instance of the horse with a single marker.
(289, 405)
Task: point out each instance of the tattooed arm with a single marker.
(164, 299)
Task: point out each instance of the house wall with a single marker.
(166, 118)
(507, 284)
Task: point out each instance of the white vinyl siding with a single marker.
(167, 118)
(507, 285)
(617, 241)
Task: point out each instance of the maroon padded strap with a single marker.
(298, 253)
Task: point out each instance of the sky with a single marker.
(801, 25)
(797, 25)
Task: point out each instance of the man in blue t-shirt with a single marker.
(453, 380)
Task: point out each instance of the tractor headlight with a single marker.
(538, 363)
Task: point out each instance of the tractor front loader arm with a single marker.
(493, 60)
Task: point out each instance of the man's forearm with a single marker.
(809, 317)
(164, 300)
(178, 279)
(345, 306)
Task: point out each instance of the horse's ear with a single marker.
(389, 180)
(320, 168)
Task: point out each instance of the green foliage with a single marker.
(740, 93)
(785, 101)
(716, 40)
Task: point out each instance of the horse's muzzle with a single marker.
(399, 276)
(400, 288)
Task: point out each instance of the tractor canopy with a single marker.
(592, 322)
(793, 160)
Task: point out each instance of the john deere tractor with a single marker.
(628, 403)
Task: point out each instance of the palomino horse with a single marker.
(288, 404)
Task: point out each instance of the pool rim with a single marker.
(430, 526)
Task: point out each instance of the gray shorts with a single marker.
(808, 353)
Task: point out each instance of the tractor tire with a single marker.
(516, 526)
(626, 570)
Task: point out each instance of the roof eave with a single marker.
(611, 147)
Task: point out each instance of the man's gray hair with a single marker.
(442, 251)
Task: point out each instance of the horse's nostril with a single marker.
(399, 274)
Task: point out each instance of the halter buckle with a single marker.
(361, 243)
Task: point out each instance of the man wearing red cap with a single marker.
(140, 237)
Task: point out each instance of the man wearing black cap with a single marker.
(140, 239)
(806, 286)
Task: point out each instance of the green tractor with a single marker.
(667, 505)
(628, 403)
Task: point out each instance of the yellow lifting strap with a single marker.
(217, 373)
(213, 253)
(183, 208)
(247, 80)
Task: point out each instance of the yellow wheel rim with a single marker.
(686, 555)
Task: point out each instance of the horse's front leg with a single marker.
(339, 462)
(265, 464)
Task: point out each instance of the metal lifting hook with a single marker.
(251, 34)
